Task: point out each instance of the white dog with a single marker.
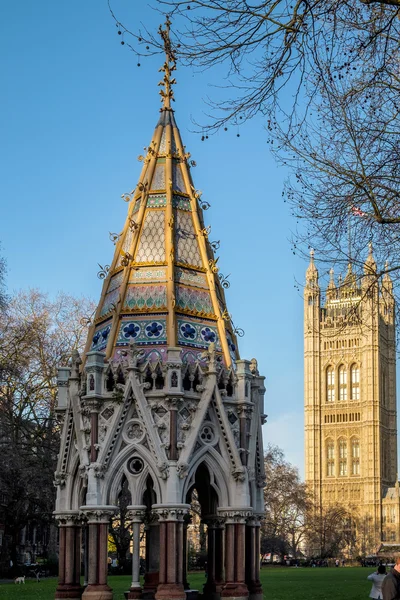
(20, 579)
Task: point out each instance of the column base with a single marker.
(150, 585)
(208, 595)
(170, 591)
(65, 590)
(255, 590)
(235, 591)
(258, 596)
(97, 592)
(133, 593)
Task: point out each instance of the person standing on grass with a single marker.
(391, 583)
(377, 580)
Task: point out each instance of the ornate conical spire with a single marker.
(312, 272)
(167, 94)
(370, 264)
(162, 289)
(331, 288)
(387, 283)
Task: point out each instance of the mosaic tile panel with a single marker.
(110, 300)
(187, 247)
(197, 334)
(193, 300)
(231, 345)
(163, 143)
(127, 241)
(178, 182)
(143, 331)
(156, 201)
(137, 206)
(148, 275)
(152, 240)
(100, 337)
(146, 297)
(115, 281)
(192, 278)
(158, 181)
(151, 353)
(181, 202)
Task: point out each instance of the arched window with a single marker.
(330, 458)
(355, 456)
(330, 384)
(355, 382)
(342, 458)
(342, 383)
(383, 386)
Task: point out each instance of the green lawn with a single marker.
(349, 583)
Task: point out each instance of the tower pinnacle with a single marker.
(167, 94)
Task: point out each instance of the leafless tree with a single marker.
(36, 336)
(287, 504)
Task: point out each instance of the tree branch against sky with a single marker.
(325, 74)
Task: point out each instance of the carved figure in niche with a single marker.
(91, 383)
(174, 379)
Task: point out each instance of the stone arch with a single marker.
(118, 469)
(74, 485)
(217, 471)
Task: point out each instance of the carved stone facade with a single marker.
(350, 400)
(161, 400)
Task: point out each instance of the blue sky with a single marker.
(75, 112)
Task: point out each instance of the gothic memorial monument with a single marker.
(161, 400)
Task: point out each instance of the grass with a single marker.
(280, 583)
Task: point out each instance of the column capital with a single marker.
(68, 518)
(171, 512)
(214, 521)
(98, 514)
(235, 514)
(136, 513)
(255, 519)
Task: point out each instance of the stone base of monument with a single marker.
(170, 591)
(98, 592)
(68, 591)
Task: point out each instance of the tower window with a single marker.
(355, 457)
(355, 382)
(330, 385)
(342, 383)
(330, 455)
(342, 458)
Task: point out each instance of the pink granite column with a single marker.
(171, 518)
(153, 543)
(209, 589)
(219, 556)
(69, 556)
(235, 547)
(98, 522)
(253, 558)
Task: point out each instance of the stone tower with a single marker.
(350, 393)
(161, 400)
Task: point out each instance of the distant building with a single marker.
(350, 400)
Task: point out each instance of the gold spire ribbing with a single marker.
(167, 94)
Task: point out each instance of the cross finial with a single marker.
(167, 94)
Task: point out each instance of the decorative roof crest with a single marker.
(167, 94)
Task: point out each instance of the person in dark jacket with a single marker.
(391, 583)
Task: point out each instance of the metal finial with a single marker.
(167, 94)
